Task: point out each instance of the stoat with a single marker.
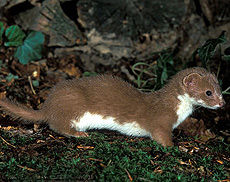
(107, 102)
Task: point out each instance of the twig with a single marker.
(226, 91)
(92, 159)
(31, 85)
(27, 168)
(130, 177)
(143, 179)
(145, 71)
(224, 180)
(126, 71)
(7, 142)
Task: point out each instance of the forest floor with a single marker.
(201, 153)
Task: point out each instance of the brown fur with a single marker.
(110, 96)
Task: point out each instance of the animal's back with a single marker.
(99, 93)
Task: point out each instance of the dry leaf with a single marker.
(220, 162)
(71, 70)
(181, 162)
(201, 169)
(183, 149)
(152, 162)
(40, 141)
(51, 136)
(2, 95)
(207, 135)
(92, 159)
(85, 147)
(158, 170)
(102, 165)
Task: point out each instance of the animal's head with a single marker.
(204, 89)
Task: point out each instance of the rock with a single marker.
(132, 17)
(50, 19)
(102, 32)
(116, 27)
(3, 3)
(7, 4)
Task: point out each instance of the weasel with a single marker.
(107, 102)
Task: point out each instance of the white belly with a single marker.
(95, 121)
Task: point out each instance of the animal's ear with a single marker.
(213, 76)
(191, 79)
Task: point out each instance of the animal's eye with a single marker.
(208, 93)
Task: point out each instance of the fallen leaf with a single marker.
(183, 149)
(72, 70)
(85, 147)
(40, 141)
(102, 165)
(191, 151)
(190, 162)
(220, 162)
(60, 138)
(152, 162)
(182, 162)
(2, 95)
(193, 127)
(157, 170)
(51, 136)
(224, 180)
(201, 169)
(8, 128)
(207, 135)
(92, 159)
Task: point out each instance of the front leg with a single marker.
(162, 136)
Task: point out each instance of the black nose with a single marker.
(222, 103)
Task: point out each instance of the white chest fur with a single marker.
(184, 108)
(95, 121)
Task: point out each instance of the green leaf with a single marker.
(14, 35)
(164, 75)
(208, 49)
(87, 74)
(10, 77)
(31, 49)
(226, 57)
(1, 31)
(35, 83)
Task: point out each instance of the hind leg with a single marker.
(77, 134)
(69, 131)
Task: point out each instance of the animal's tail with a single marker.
(18, 111)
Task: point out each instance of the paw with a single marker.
(168, 144)
(80, 134)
